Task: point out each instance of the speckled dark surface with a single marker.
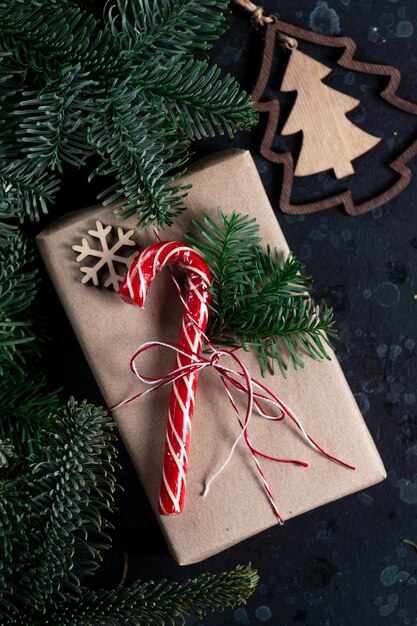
(343, 564)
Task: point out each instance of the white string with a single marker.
(236, 443)
(241, 434)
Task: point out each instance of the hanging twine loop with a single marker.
(257, 12)
(289, 43)
(260, 19)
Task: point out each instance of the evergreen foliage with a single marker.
(25, 407)
(7, 453)
(150, 604)
(260, 300)
(17, 290)
(54, 527)
(130, 89)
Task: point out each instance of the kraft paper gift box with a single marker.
(109, 331)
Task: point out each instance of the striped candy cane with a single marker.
(181, 408)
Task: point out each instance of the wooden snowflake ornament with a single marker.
(107, 254)
(330, 142)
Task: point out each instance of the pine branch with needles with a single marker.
(132, 88)
(260, 298)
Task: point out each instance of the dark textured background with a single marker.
(343, 564)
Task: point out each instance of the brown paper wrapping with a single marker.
(109, 330)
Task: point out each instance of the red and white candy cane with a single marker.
(181, 408)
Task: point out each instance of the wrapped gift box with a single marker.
(109, 331)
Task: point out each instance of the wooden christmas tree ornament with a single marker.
(330, 141)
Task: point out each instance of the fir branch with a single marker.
(49, 30)
(144, 154)
(14, 547)
(70, 484)
(286, 333)
(153, 604)
(8, 226)
(28, 189)
(7, 453)
(25, 409)
(195, 98)
(53, 129)
(12, 85)
(128, 90)
(17, 283)
(17, 291)
(260, 300)
(228, 249)
(50, 521)
(169, 25)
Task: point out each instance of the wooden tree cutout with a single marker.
(272, 108)
(108, 255)
(330, 140)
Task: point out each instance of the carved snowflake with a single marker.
(107, 254)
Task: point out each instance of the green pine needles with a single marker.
(54, 528)
(154, 604)
(130, 90)
(260, 300)
(24, 404)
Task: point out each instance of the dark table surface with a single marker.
(343, 564)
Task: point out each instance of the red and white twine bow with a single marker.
(240, 380)
(184, 377)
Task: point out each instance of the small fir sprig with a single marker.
(150, 604)
(260, 299)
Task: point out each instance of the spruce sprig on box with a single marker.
(260, 299)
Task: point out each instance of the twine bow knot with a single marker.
(236, 378)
